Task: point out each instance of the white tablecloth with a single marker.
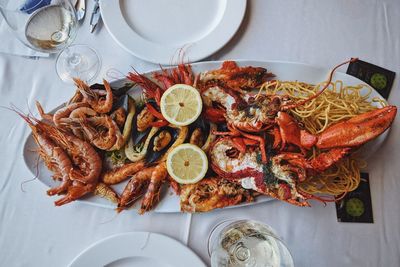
(35, 233)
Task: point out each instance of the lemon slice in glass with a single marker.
(187, 164)
(181, 104)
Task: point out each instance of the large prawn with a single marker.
(71, 159)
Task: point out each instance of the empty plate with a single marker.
(137, 249)
(166, 32)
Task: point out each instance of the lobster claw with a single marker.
(357, 130)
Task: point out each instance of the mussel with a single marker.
(161, 142)
(156, 145)
(136, 135)
(200, 133)
(136, 149)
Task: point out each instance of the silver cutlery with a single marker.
(95, 18)
(80, 7)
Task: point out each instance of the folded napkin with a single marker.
(9, 42)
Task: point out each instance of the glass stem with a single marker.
(73, 61)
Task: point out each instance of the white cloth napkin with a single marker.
(10, 44)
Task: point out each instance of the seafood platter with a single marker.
(209, 135)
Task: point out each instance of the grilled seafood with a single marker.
(201, 133)
(71, 159)
(246, 113)
(96, 100)
(144, 119)
(54, 157)
(106, 192)
(147, 182)
(75, 191)
(236, 78)
(119, 116)
(120, 174)
(87, 163)
(101, 131)
(80, 112)
(197, 138)
(254, 143)
(212, 193)
(161, 140)
(280, 175)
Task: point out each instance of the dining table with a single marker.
(33, 232)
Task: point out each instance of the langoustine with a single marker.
(71, 159)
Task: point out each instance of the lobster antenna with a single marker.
(34, 178)
(286, 107)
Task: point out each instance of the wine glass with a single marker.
(50, 26)
(247, 243)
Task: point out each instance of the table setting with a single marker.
(199, 133)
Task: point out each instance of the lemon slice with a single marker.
(181, 104)
(187, 164)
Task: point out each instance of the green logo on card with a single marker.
(379, 81)
(354, 207)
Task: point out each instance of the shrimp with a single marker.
(63, 113)
(147, 182)
(83, 111)
(152, 195)
(78, 113)
(74, 192)
(77, 97)
(101, 131)
(43, 115)
(106, 192)
(135, 188)
(54, 157)
(98, 103)
(120, 174)
(87, 163)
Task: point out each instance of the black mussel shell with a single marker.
(97, 86)
(153, 156)
(138, 137)
(201, 123)
(222, 127)
(117, 90)
(121, 87)
(121, 102)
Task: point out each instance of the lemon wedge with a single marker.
(187, 164)
(181, 104)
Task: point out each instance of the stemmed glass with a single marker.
(50, 26)
(247, 243)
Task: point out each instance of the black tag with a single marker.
(356, 205)
(379, 78)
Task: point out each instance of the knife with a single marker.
(80, 7)
(95, 18)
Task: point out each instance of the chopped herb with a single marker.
(259, 158)
(139, 147)
(117, 156)
(269, 177)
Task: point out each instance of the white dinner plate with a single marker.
(137, 249)
(167, 31)
(169, 201)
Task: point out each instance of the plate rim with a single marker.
(225, 30)
(138, 234)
